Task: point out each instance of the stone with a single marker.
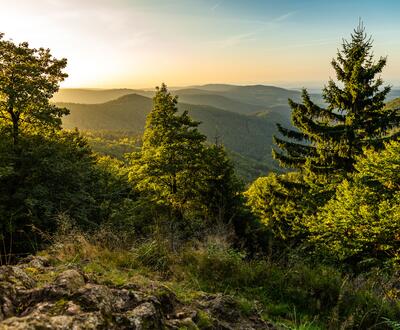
(38, 262)
(74, 301)
(143, 317)
(70, 280)
(224, 307)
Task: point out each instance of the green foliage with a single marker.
(50, 176)
(204, 320)
(28, 79)
(271, 200)
(112, 143)
(343, 198)
(54, 175)
(219, 189)
(329, 140)
(297, 292)
(362, 221)
(44, 172)
(248, 169)
(188, 183)
(216, 267)
(171, 153)
(154, 255)
(393, 324)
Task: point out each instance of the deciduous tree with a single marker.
(29, 77)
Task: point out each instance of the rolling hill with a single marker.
(243, 118)
(247, 135)
(218, 101)
(253, 95)
(92, 96)
(239, 99)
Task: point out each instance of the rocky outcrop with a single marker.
(68, 299)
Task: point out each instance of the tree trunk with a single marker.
(15, 131)
(15, 122)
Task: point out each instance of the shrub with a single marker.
(360, 225)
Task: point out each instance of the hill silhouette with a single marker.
(239, 99)
(246, 136)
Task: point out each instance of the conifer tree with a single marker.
(219, 191)
(186, 184)
(172, 154)
(328, 139)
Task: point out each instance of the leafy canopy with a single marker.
(29, 78)
(362, 220)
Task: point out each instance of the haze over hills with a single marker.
(243, 118)
(248, 137)
(91, 96)
(238, 99)
(219, 101)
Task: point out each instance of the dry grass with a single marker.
(322, 296)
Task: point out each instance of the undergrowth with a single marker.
(294, 295)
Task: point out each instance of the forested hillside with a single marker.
(92, 96)
(246, 129)
(249, 136)
(139, 220)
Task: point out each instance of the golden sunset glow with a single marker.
(140, 43)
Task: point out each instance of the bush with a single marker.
(271, 200)
(52, 175)
(154, 255)
(319, 293)
(360, 225)
(215, 266)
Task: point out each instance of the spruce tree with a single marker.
(219, 191)
(328, 139)
(187, 185)
(172, 153)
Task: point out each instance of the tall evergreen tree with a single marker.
(172, 154)
(190, 185)
(327, 140)
(219, 191)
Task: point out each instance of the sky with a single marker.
(141, 43)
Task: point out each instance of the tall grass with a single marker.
(295, 294)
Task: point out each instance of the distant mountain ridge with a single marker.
(93, 96)
(238, 99)
(243, 118)
(253, 95)
(248, 135)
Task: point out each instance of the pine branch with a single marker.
(291, 134)
(295, 149)
(287, 161)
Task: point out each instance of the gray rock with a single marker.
(70, 280)
(72, 301)
(38, 262)
(40, 321)
(144, 317)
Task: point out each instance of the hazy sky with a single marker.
(140, 43)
